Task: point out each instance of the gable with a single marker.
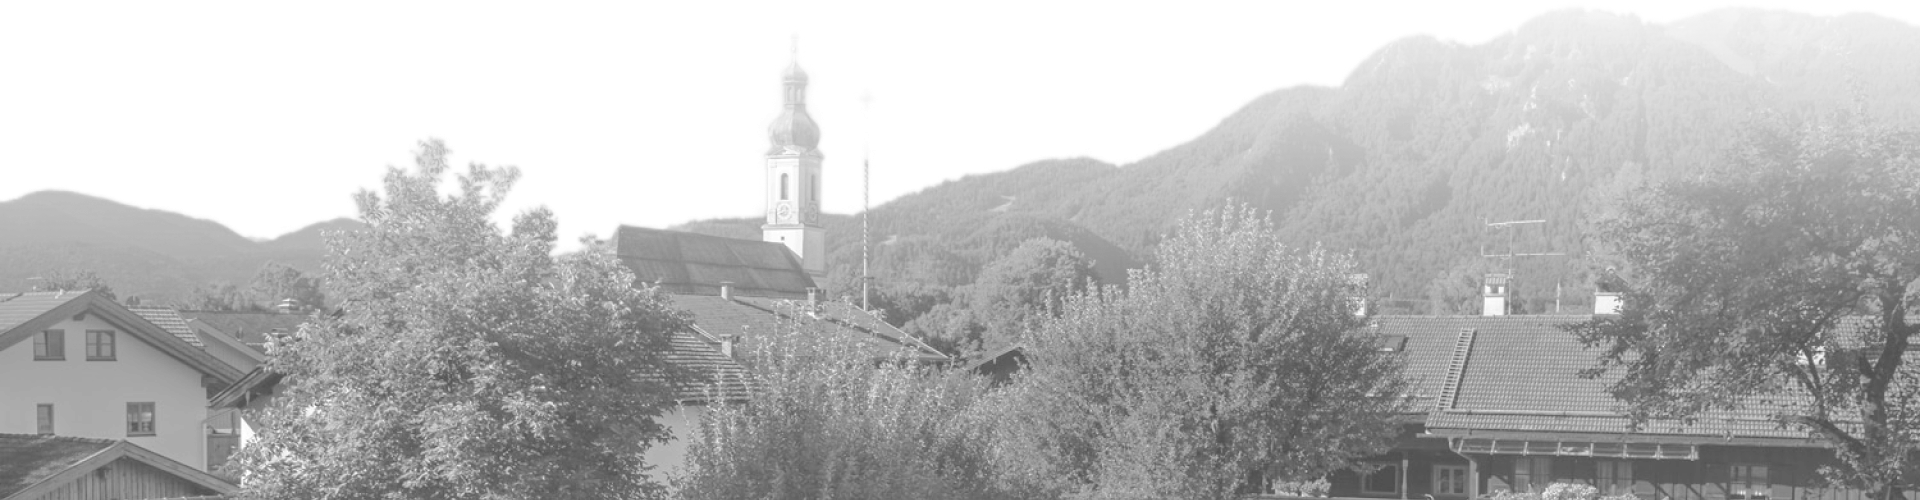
(65, 467)
(51, 308)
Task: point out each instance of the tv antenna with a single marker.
(1512, 251)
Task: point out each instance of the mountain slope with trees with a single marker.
(1424, 143)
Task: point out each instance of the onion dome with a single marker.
(793, 132)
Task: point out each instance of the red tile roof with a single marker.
(684, 262)
(1522, 375)
(17, 308)
(759, 317)
(715, 377)
(168, 319)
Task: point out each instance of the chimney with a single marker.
(1359, 298)
(1493, 295)
(726, 346)
(813, 298)
(726, 290)
(1606, 294)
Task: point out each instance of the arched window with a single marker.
(813, 190)
(783, 187)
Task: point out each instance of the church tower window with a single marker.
(783, 187)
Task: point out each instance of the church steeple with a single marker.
(793, 176)
(794, 132)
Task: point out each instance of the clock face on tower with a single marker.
(784, 212)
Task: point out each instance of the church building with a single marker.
(793, 178)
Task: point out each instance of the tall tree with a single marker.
(1235, 354)
(1786, 273)
(275, 282)
(465, 362)
(1028, 284)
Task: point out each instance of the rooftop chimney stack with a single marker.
(1493, 295)
(1608, 297)
(1359, 298)
(726, 290)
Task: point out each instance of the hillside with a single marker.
(154, 254)
(1424, 142)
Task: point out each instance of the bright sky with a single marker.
(266, 116)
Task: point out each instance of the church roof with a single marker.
(690, 263)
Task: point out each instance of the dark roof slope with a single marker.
(27, 460)
(698, 264)
(1427, 343)
(715, 376)
(1522, 375)
(168, 319)
(32, 466)
(753, 317)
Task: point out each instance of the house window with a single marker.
(1748, 482)
(44, 413)
(1449, 480)
(1613, 477)
(50, 345)
(139, 419)
(1384, 480)
(99, 345)
(1531, 474)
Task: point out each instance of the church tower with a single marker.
(793, 178)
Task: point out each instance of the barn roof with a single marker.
(31, 466)
(682, 262)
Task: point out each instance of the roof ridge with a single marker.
(63, 437)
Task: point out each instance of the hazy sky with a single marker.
(266, 116)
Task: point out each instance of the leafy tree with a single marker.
(465, 363)
(74, 279)
(1798, 247)
(1026, 285)
(275, 282)
(823, 424)
(220, 296)
(1235, 354)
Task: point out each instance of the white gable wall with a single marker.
(90, 397)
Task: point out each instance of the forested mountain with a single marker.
(154, 254)
(1422, 144)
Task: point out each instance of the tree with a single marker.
(74, 280)
(275, 282)
(220, 296)
(1028, 284)
(1235, 354)
(1785, 274)
(826, 424)
(464, 362)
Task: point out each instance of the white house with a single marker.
(78, 364)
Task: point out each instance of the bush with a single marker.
(827, 424)
(1569, 491)
(1314, 488)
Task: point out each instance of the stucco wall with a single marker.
(90, 397)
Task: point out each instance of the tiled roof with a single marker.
(716, 377)
(753, 317)
(250, 328)
(27, 460)
(1522, 374)
(168, 319)
(684, 262)
(17, 308)
(1428, 345)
